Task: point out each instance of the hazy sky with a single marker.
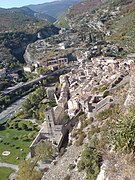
(19, 3)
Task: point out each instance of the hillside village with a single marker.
(79, 85)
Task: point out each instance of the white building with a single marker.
(2, 72)
(28, 68)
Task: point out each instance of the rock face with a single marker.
(35, 51)
(129, 102)
(62, 168)
(117, 167)
(101, 175)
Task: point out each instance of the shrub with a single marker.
(90, 162)
(111, 112)
(122, 135)
(70, 143)
(106, 93)
(94, 129)
(79, 141)
(71, 166)
(67, 177)
(12, 145)
(84, 124)
(74, 134)
(90, 120)
(15, 138)
(82, 117)
(45, 169)
(24, 126)
(62, 151)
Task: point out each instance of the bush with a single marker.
(84, 124)
(71, 166)
(12, 145)
(106, 93)
(79, 141)
(62, 151)
(74, 134)
(90, 120)
(94, 129)
(90, 162)
(67, 177)
(15, 138)
(82, 117)
(45, 169)
(122, 135)
(24, 126)
(17, 147)
(112, 111)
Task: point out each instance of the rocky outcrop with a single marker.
(117, 167)
(129, 102)
(13, 45)
(62, 167)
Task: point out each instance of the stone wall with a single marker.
(39, 137)
(101, 106)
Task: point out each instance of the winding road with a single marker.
(12, 166)
(12, 109)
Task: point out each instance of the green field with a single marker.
(17, 142)
(5, 173)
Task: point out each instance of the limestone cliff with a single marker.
(130, 100)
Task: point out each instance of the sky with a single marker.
(19, 3)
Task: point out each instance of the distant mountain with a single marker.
(29, 12)
(18, 28)
(22, 19)
(55, 8)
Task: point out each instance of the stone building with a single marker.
(54, 122)
(2, 73)
(28, 68)
(52, 127)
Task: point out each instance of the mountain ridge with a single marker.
(54, 8)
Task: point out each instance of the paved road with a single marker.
(11, 110)
(12, 166)
(6, 92)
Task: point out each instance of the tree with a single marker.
(41, 92)
(6, 100)
(42, 70)
(27, 104)
(27, 171)
(44, 150)
(15, 125)
(24, 126)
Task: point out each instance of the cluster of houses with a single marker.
(52, 63)
(94, 74)
(77, 94)
(43, 53)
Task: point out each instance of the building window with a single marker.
(48, 118)
(50, 125)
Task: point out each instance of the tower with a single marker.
(50, 119)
